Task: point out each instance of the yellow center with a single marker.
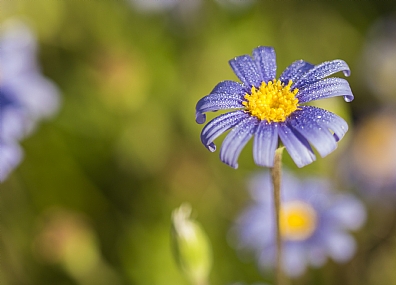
(297, 220)
(273, 102)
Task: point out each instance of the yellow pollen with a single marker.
(273, 102)
(297, 220)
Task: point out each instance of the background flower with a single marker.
(247, 284)
(315, 221)
(378, 62)
(181, 9)
(370, 162)
(25, 95)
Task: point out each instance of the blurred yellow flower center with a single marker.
(273, 102)
(297, 220)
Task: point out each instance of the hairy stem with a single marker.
(276, 172)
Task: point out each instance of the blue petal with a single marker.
(340, 246)
(246, 70)
(326, 88)
(328, 120)
(265, 143)
(304, 122)
(253, 233)
(321, 71)
(200, 118)
(227, 95)
(215, 102)
(228, 88)
(219, 125)
(294, 259)
(259, 185)
(291, 187)
(266, 62)
(236, 140)
(11, 155)
(297, 146)
(294, 71)
(347, 212)
(15, 123)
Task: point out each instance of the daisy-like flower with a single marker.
(379, 60)
(269, 108)
(165, 5)
(314, 223)
(239, 283)
(25, 95)
(371, 159)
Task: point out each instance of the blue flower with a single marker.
(239, 283)
(314, 223)
(179, 6)
(378, 60)
(370, 162)
(269, 108)
(25, 95)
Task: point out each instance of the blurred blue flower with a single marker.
(378, 64)
(239, 283)
(236, 5)
(268, 108)
(25, 95)
(180, 6)
(314, 223)
(370, 162)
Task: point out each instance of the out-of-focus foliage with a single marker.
(92, 199)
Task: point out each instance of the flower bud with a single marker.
(191, 246)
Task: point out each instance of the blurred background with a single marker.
(91, 201)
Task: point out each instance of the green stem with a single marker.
(276, 172)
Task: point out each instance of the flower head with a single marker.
(25, 95)
(378, 61)
(371, 160)
(314, 223)
(178, 6)
(269, 108)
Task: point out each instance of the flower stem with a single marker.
(276, 181)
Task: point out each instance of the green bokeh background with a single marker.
(124, 150)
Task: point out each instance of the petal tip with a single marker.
(264, 164)
(347, 72)
(235, 166)
(200, 118)
(225, 160)
(211, 147)
(348, 98)
(301, 164)
(267, 48)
